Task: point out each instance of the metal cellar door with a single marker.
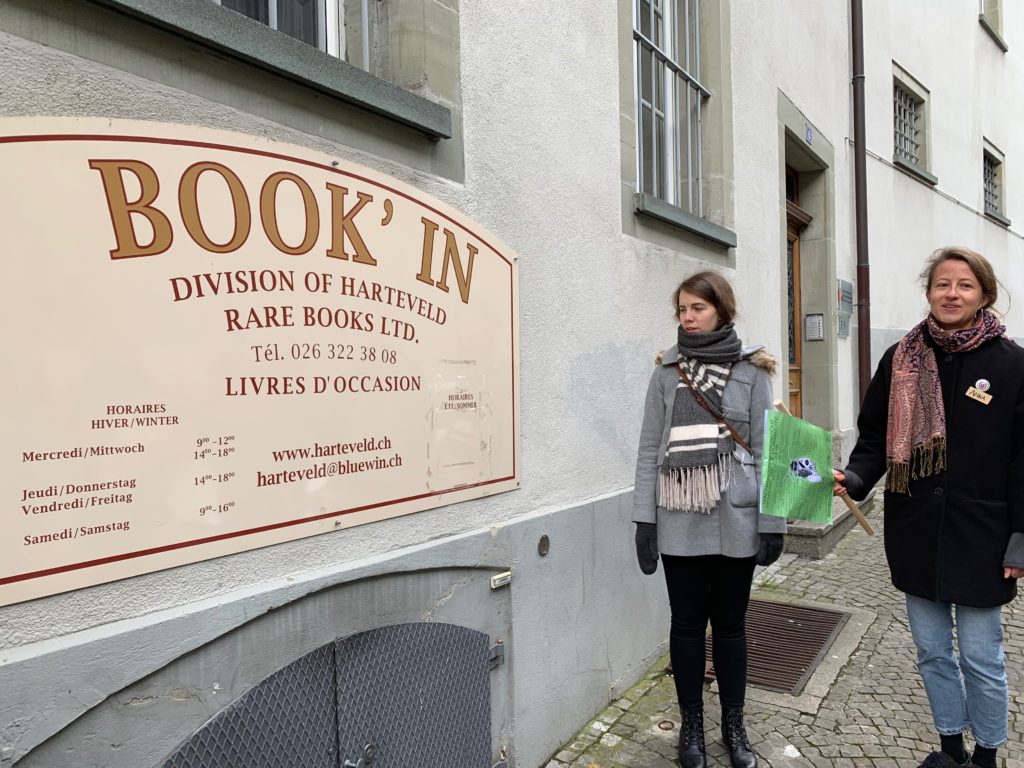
(419, 693)
(402, 696)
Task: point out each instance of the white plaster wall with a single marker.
(974, 92)
(790, 46)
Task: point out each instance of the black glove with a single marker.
(770, 548)
(647, 547)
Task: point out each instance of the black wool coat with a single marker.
(946, 540)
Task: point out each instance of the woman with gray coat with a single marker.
(696, 502)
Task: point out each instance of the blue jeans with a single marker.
(971, 691)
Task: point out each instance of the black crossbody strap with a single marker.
(704, 404)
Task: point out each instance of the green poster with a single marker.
(796, 469)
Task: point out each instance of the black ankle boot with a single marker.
(734, 736)
(691, 740)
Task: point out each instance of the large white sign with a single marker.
(215, 343)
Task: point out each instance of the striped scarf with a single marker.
(695, 469)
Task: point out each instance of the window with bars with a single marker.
(910, 119)
(990, 176)
(992, 183)
(907, 125)
(670, 101)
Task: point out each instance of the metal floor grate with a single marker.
(784, 644)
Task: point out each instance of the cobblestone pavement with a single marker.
(868, 710)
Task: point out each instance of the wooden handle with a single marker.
(850, 503)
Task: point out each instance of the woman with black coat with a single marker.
(943, 419)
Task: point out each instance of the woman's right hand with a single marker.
(647, 547)
(838, 489)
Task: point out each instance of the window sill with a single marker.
(998, 218)
(996, 37)
(915, 170)
(228, 32)
(656, 208)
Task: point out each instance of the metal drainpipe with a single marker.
(860, 200)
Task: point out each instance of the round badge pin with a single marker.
(982, 385)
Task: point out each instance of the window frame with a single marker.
(234, 34)
(674, 64)
(918, 165)
(330, 24)
(684, 67)
(908, 128)
(990, 16)
(991, 155)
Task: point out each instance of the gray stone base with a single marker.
(816, 541)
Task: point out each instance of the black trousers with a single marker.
(707, 588)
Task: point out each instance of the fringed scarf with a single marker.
(695, 469)
(915, 438)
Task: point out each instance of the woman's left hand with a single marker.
(1009, 572)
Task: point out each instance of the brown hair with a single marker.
(714, 289)
(979, 266)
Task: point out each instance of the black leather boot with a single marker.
(734, 736)
(691, 740)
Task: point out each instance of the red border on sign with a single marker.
(287, 523)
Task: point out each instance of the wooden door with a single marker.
(796, 219)
(795, 340)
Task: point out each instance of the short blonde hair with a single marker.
(979, 265)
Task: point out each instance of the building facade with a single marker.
(614, 151)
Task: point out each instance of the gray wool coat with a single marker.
(732, 528)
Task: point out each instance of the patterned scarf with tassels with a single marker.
(915, 438)
(695, 469)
